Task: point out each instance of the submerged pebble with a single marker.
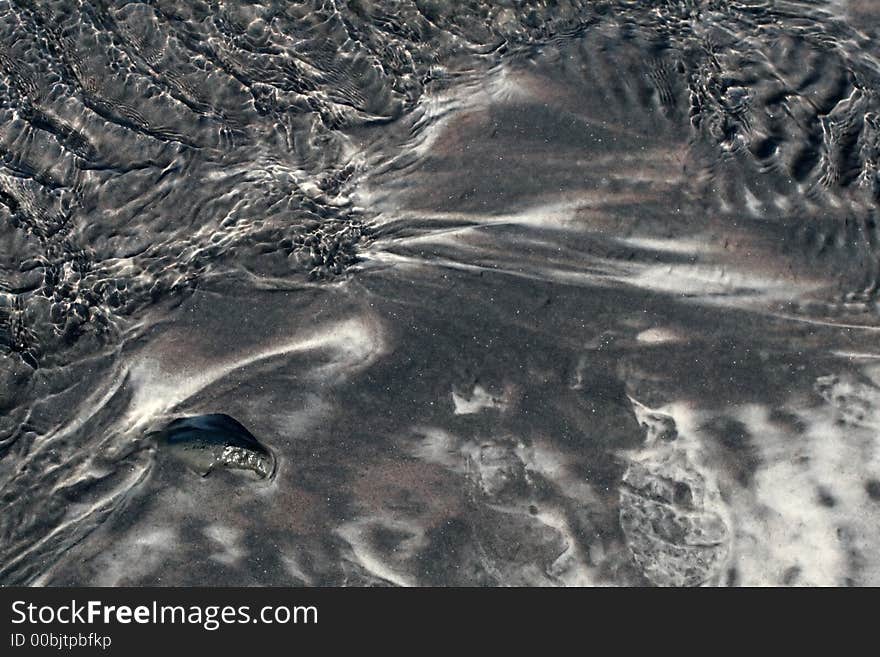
(207, 442)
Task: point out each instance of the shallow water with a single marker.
(572, 293)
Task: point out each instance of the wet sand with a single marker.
(581, 296)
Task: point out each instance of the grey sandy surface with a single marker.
(487, 293)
